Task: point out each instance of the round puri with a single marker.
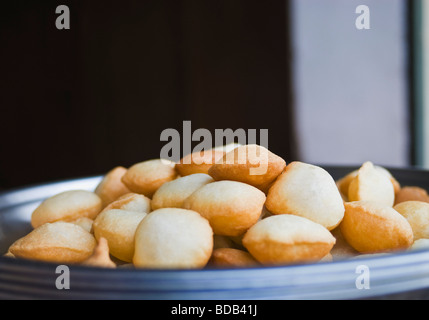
(147, 176)
(308, 191)
(198, 162)
(371, 184)
(286, 239)
(372, 228)
(60, 242)
(411, 193)
(231, 207)
(172, 194)
(67, 206)
(131, 202)
(118, 227)
(173, 238)
(111, 186)
(417, 214)
(251, 164)
(232, 258)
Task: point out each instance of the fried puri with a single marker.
(232, 258)
(198, 162)
(417, 214)
(231, 207)
(370, 184)
(370, 227)
(251, 164)
(60, 242)
(173, 238)
(100, 257)
(411, 193)
(308, 191)
(131, 202)
(111, 186)
(147, 176)
(118, 227)
(172, 194)
(288, 239)
(67, 206)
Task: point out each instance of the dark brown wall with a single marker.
(78, 102)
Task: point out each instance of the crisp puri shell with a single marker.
(147, 176)
(60, 242)
(198, 162)
(231, 207)
(411, 193)
(231, 257)
(236, 165)
(287, 239)
(131, 202)
(111, 186)
(417, 215)
(372, 228)
(67, 206)
(173, 238)
(371, 184)
(172, 194)
(118, 227)
(308, 191)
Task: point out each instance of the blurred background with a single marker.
(79, 102)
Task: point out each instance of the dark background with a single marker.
(79, 102)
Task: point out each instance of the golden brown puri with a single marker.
(371, 185)
(118, 227)
(232, 258)
(60, 242)
(173, 238)
(147, 176)
(198, 162)
(111, 186)
(344, 183)
(67, 206)
(172, 194)
(288, 239)
(100, 257)
(131, 202)
(308, 191)
(231, 207)
(373, 228)
(411, 193)
(417, 215)
(251, 164)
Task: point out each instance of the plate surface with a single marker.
(402, 275)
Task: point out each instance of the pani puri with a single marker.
(118, 227)
(232, 258)
(60, 242)
(147, 176)
(67, 206)
(172, 194)
(411, 193)
(198, 162)
(231, 207)
(111, 186)
(341, 250)
(370, 227)
(131, 202)
(173, 238)
(308, 191)
(286, 239)
(251, 164)
(417, 214)
(370, 184)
